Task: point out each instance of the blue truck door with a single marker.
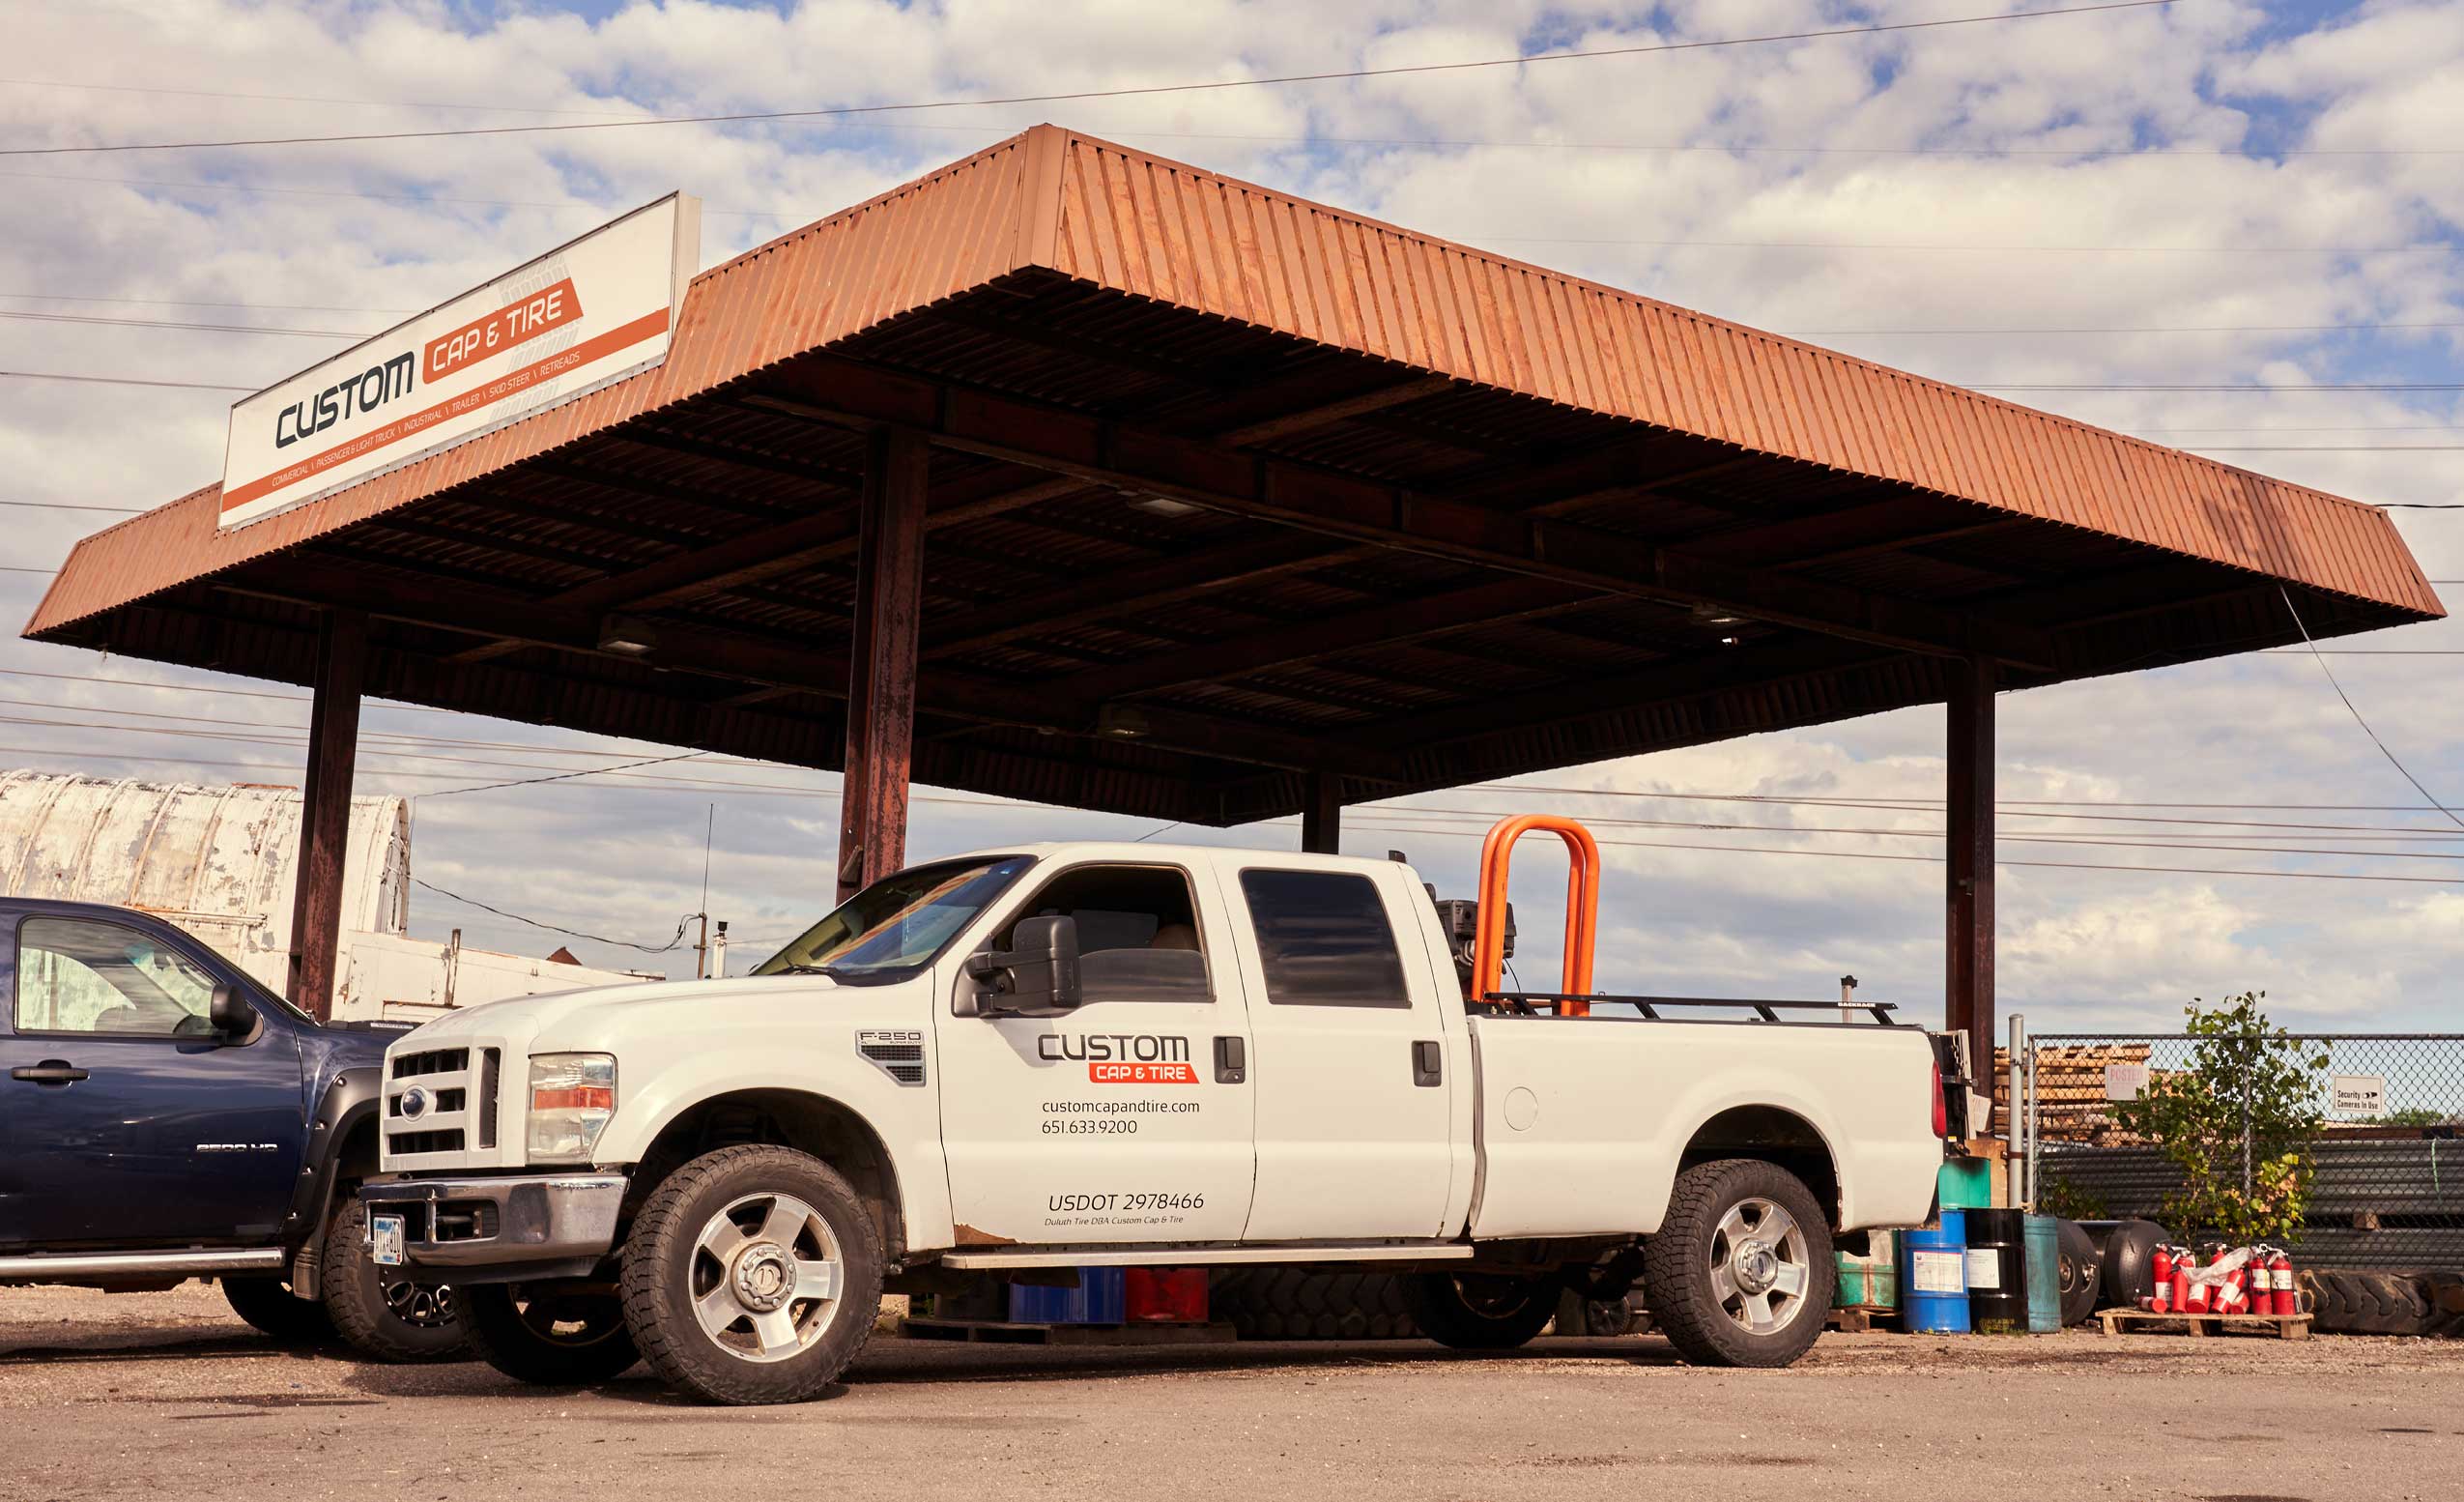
(125, 1121)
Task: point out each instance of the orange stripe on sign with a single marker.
(501, 331)
(598, 347)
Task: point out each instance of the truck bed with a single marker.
(1584, 1121)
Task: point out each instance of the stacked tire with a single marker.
(1295, 1304)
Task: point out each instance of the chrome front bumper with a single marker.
(502, 1230)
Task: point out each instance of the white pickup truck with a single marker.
(1057, 1057)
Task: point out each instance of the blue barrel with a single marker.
(1100, 1298)
(1933, 1276)
(2044, 1237)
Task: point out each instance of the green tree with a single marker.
(2237, 1122)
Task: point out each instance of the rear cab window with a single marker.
(1324, 938)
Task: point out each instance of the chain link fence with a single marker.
(2388, 1188)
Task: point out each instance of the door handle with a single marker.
(52, 1071)
(1428, 1061)
(1231, 1060)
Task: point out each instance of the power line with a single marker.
(71, 506)
(587, 772)
(24, 316)
(266, 307)
(569, 933)
(185, 385)
(1076, 96)
(313, 99)
(2355, 710)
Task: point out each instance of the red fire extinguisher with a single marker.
(2233, 1294)
(2279, 1277)
(2189, 1298)
(2161, 1269)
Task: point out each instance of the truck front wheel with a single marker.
(545, 1334)
(1480, 1311)
(753, 1275)
(383, 1315)
(1740, 1274)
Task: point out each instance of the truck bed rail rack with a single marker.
(1525, 1004)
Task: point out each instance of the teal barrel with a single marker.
(1934, 1276)
(1966, 1184)
(2043, 1239)
(1869, 1280)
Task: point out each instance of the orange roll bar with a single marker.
(1582, 907)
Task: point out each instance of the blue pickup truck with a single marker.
(166, 1117)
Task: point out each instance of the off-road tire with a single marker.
(660, 1253)
(504, 1322)
(1294, 1304)
(267, 1304)
(383, 1319)
(1480, 1311)
(2082, 1273)
(2370, 1303)
(1677, 1265)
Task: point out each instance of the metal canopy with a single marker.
(1227, 492)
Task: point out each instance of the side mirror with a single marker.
(230, 1012)
(1037, 976)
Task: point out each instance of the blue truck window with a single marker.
(81, 975)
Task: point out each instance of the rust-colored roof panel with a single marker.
(1128, 224)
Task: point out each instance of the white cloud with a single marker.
(2079, 946)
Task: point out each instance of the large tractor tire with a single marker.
(2127, 1262)
(2082, 1272)
(2346, 1302)
(1295, 1304)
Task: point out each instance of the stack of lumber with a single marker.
(2072, 1104)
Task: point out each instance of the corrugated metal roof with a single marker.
(1160, 230)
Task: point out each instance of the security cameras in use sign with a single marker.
(593, 311)
(2362, 1096)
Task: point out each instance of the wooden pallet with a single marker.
(2124, 1321)
(1858, 1318)
(1007, 1333)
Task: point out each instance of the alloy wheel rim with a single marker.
(765, 1277)
(427, 1309)
(1760, 1273)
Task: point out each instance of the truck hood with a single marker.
(572, 1012)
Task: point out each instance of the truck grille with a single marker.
(441, 1106)
(434, 1061)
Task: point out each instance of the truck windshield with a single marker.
(897, 924)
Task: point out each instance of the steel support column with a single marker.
(1322, 814)
(325, 811)
(882, 669)
(1968, 948)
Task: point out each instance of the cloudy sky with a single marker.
(2187, 209)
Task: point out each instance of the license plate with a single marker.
(385, 1240)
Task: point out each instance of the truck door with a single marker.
(125, 1119)
(1352, 1061)
(1129, 1119)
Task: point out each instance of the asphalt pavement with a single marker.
(167, 1396)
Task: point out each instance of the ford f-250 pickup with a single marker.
(1066, 1055)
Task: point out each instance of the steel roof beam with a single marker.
(503, 616)
(1204, 473)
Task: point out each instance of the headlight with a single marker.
(572, 1096)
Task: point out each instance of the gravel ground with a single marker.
(167, 1396)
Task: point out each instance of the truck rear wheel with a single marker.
(383, 1315)
(753, 1275)
(269, 1304)
(1740, 1274)
(545, 1336)
(1480, 1311)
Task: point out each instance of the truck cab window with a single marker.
(1324, 939)
(78, 975)
(1139, 937)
